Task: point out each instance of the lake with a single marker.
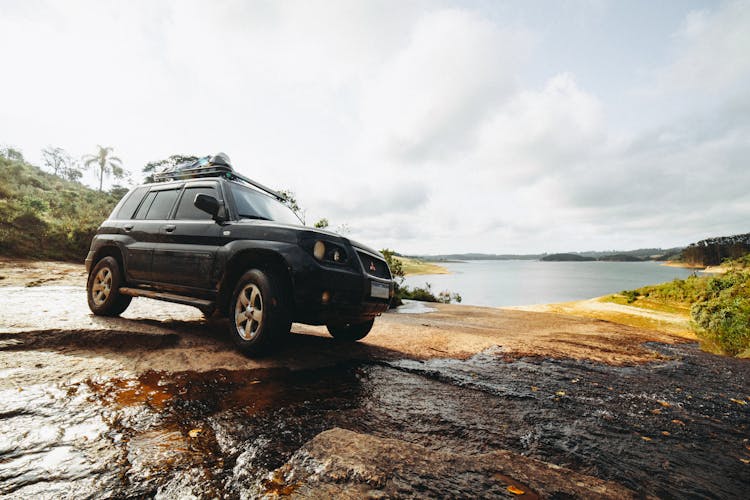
(524, 282)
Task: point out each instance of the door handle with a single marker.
(128, 227)
(170, 228)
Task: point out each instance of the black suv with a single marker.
(208, 237)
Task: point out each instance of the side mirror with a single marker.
(210, 205)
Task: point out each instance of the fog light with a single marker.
(325, 298)
(319, 250)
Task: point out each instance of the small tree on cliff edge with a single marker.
(105, 163)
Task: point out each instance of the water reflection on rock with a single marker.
(667, 428)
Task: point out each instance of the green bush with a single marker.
(425, 294)
(630, 295)
(719, 306)
(722, 316)
(688, 290)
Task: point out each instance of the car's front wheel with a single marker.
(259, 316)
(103, 289)
(350, 332)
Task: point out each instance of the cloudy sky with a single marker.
(428, 127)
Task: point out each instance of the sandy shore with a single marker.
(671, 263)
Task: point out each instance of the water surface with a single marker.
(521, 282)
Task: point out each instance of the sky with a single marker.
(429, 127)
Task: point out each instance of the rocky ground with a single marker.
(461, 401)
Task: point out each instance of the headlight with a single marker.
(329, 252)
(319, 250)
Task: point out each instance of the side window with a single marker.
(141, 213)
(131, 203)
(162, 204)
(187, 210)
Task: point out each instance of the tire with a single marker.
(350, 332)
(258, 313)
(103, 289)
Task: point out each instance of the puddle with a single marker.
(414, 307)
(670, 429)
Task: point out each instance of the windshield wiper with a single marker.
(258, 217)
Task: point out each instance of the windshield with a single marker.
(252, 204)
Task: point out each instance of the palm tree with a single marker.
(105, 163)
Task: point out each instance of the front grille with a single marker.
(374, 266)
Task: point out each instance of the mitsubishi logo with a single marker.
(372, 266)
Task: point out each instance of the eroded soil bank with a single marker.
(460, 402)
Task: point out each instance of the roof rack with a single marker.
(202, 168)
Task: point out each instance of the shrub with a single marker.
(722, 316)
(630, 295)
(720, 305)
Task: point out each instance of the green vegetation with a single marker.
(424, 294)
(722, 318)
(44, 216)
(719, 306)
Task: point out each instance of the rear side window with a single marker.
(157, 205)
(162, 204)
(187, 210)
(128, 206)
(141, 213)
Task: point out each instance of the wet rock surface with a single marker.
(344, 464)
(139, 407)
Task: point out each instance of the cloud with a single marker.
(541, 132)
(712, 50)
(426, 101)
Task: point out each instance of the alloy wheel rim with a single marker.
(248, 312)
(102, 286)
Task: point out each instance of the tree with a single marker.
(71, 172)
(105, 164)
(61, 164)
(154, 167)
(322, 223)
(117, 191)
(56, 159)
(289, 199)
(11, 154)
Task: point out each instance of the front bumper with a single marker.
(327, 294)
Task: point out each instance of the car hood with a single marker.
(311, 232)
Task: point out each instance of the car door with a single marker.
(145, 229)
(186, 256)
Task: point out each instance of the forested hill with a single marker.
(713, 251)
(43, 216)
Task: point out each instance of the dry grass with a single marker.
(418, 266)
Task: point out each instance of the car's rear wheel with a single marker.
(103, 289)
(350, 332)
(259, 317)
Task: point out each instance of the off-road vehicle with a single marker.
(206, 236)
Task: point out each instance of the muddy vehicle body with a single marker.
(208, 237)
